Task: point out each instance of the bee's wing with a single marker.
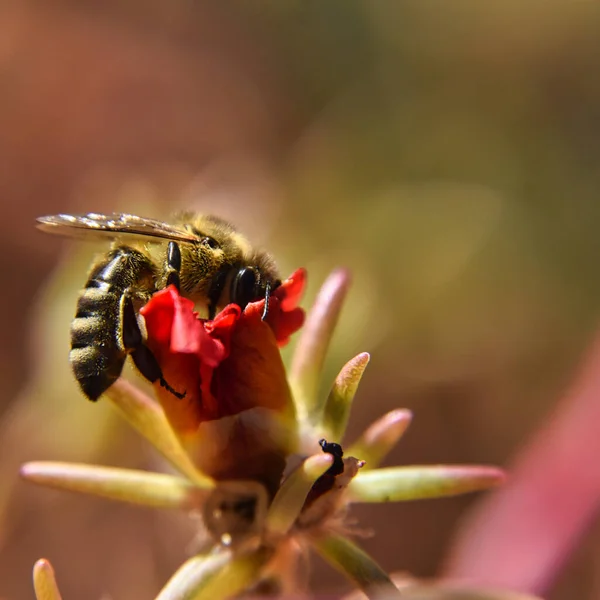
(113, 226)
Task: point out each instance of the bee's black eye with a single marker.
(244, 286)
(210, 242)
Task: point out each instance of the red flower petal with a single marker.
(290, 317)
(165, 312)
(226, 365)
(291, 290)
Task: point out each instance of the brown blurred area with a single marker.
(448, 153)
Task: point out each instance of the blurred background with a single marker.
(448, 153)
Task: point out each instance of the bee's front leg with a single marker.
(133, 343)
(173, 265)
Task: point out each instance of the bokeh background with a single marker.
(448, 153)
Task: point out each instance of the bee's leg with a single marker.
(265, 312)
(148, 366)
(212, 311)
(173, 265)
(215, 291)
(133, 343)
(269, 289)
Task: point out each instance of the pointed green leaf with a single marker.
(309, 357)
(44, 581)
(290, 497)
(149, 419)
(126, 485)
(339, 401)
(380, 437)
(215, 576)
(192, 574)
(357, 565)
(415, 483)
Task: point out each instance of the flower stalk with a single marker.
(336, 411)
(379, 438)
(244, 441)
(146, 415)
(311, 349)
(44, 581)
(396, 484)
(353, 562)
(290, 497)
(126, 485)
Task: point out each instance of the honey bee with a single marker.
(203, 256)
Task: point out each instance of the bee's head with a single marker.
(236, 272)
(251, 283)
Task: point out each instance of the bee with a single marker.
(203, 256)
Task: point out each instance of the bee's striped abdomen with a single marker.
(97, 351)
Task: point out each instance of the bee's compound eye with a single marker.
(243, 286)
(235, 511)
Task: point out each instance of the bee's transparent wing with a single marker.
(113, 226)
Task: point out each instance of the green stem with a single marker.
(357, 565)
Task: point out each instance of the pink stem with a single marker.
(520, 536)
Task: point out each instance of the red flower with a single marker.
(227, 365)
